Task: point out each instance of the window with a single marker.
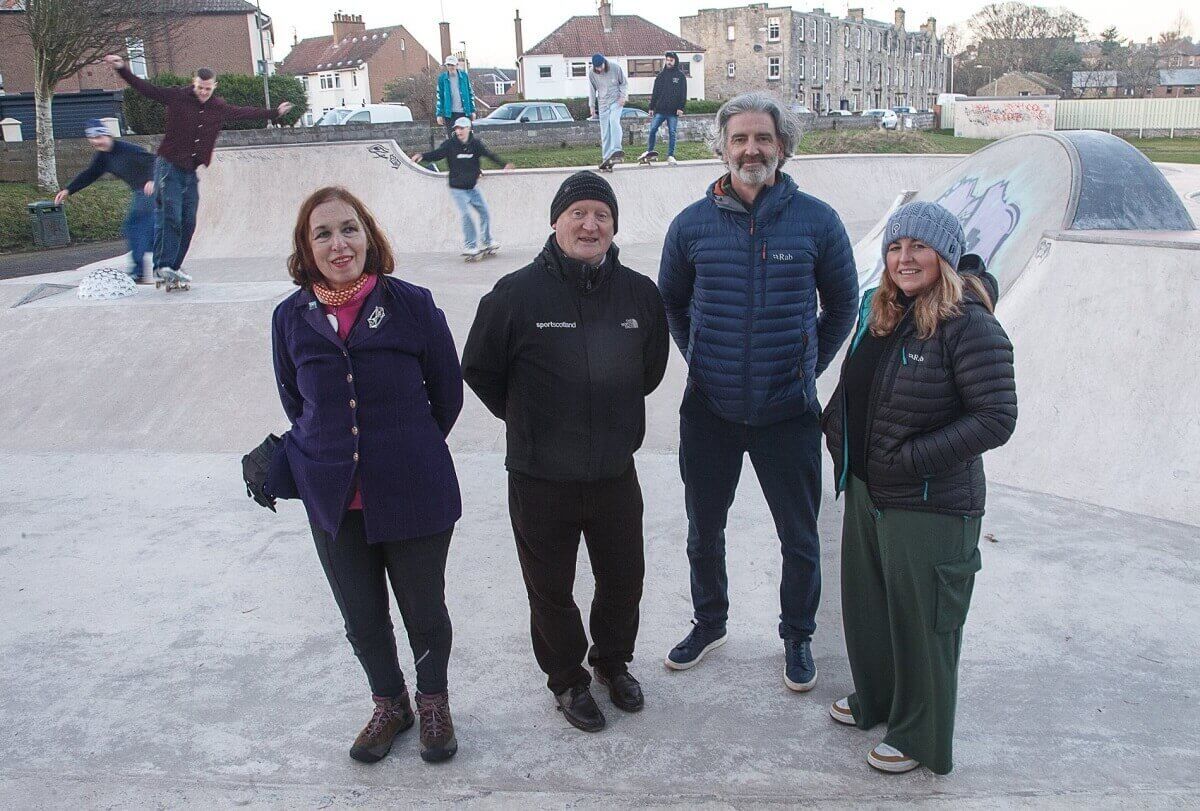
(1189, 90)
(729, 34)
(846, 37)
(644, 67)
(857, 37)
(730, 69)
(827, 33)
(801, 30)
(774, 68)
(330, 81)
(361, 117)
(135, 49)
(304, 83)
(827, 70)
(401, 44)
(543, 71)
(858, 70)
(773, 29)
(814, 30)
(354, 78)
(578, 70)
(800, 67)
(846, 71)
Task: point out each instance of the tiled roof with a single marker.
(1082, 79)
(631, 35)
(192, 6)
(12, 5)
(1179, 76)
(486, 74)
(322, 53)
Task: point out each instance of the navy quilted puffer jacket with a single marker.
(758, 301)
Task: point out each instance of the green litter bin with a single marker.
(49, 224)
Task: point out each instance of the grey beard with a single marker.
(756, 176)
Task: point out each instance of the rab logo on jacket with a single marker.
(917, 358)
(376, 317)
(629, 323)
(782, 257)
(556, 325)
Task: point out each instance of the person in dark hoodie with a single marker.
(927, 386)
(565, 351)
(666, 105)
(135, 166)
(462, 153)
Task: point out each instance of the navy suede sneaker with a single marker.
(691, 650)
(800, 671)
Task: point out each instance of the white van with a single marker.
(368, 114)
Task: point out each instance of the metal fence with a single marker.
(1160, 116)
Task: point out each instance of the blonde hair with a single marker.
(941, 302)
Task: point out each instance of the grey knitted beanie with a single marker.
(930, 223)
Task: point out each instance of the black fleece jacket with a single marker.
(463, 160)
(935, 406)
(670, 91)
(565, 354)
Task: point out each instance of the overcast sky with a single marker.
(487, 28)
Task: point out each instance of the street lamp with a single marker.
(990, 71)
(262, 47)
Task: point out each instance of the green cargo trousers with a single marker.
(907, 578)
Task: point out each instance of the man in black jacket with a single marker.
(666, 104)
(462, 154)
(565, 351)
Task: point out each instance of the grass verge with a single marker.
(96, 213)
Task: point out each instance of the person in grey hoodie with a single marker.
(607, 93)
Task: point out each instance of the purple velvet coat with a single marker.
(378, 407)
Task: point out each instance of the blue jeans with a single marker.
(787, 459)
(139, 230)
(467, 199)
(672, 125)
(177, 195)
(610, 130)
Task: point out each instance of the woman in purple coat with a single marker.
(370, 380)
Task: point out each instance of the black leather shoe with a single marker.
(624, 690)
(579, 708)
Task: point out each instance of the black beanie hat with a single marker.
(583, 185)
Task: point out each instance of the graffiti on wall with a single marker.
(988, 218)
(995, 114)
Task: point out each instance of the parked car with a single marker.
(904, 110)
(369, 114)
(887, 118)
(628, 112)
(839, 112)
(800, 109)
(525, 112)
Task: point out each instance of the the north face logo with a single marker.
(629, 323)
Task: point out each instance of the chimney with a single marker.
(520, 37)
(855, 14)
(346, 25)
(931, 27)
(444, 31)
(606, 16)
(900, 18)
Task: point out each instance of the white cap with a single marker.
(452, 60)
(462, 121)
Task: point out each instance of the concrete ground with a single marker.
(169, 643)
(53, 260)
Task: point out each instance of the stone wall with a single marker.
(17, 160)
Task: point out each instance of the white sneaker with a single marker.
(890, 759)
(840, 712)
(469, 251)
(671, 160)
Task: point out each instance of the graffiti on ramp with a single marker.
(988, 219)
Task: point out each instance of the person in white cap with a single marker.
(462, 153)
(454, 97)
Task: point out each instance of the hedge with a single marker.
(579, 106)
(146, 117)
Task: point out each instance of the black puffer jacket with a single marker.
(936, 405)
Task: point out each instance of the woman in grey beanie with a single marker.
(926, 387)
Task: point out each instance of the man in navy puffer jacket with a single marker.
(760, 289)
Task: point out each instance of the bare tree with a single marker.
(417, 92)
(1019, 36)
(1143, 70)
(68, 35)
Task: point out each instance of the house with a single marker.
(350, 67)
(494, 86)
(1021, 83)
(557, 67)
(1100, 84)
(220, 34)
(1182, 53)
(817, 59)
(1177, 83)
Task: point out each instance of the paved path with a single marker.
(15, 265)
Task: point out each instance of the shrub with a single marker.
(146, 117)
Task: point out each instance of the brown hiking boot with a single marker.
(391, 717)
(437, 727)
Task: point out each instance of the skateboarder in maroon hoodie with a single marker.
(194, 120)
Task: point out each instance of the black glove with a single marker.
(255, 466)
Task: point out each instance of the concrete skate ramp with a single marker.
(250, 195)
(1010, 193)
(1104, 326)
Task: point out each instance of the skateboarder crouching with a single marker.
(462, 153)
(134, 165)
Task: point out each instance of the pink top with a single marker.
(342, 319)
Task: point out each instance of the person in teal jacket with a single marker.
(454, 96)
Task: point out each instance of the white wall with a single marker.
(997, 118)
(348, 95)
(257, 44)
(561, 85)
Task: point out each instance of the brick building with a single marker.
(817, 59)
(220, 34)
(494, 86)
(1181, 83)
(350, 67)
(1021, 83)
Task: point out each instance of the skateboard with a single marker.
(172, 280)
(482, 254)
(607, 164)
(647, 158)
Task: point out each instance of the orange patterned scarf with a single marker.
(337, 298)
